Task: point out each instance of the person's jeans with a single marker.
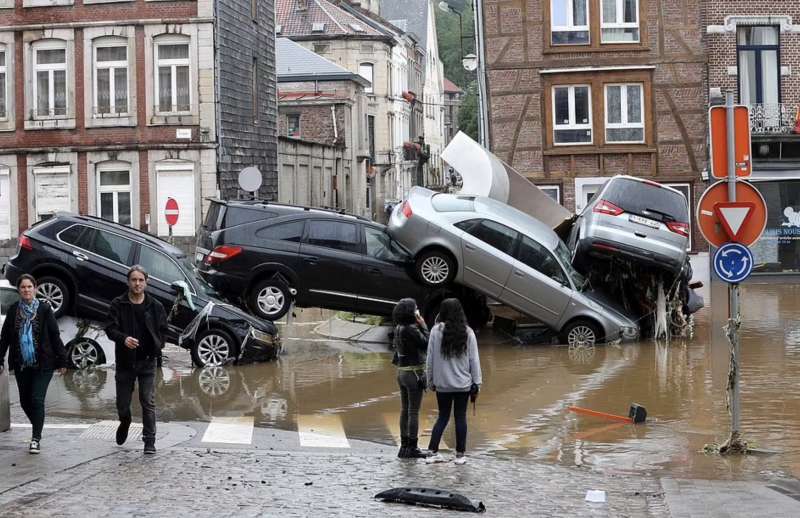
(457, 401)
(410, 400)
(32, 385)
(145, 372)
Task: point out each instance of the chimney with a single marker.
(302, 5)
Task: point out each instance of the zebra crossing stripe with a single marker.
(321, 431)
(230, 430)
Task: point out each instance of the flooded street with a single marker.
(522, 410)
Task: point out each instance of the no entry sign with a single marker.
(171, 212)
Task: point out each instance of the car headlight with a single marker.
(630, 331)
(261, 336)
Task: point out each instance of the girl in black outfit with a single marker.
(411, 342)
(30, 332)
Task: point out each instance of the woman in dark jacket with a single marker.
(30, 334)
(411, 342)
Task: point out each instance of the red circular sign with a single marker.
(171, 212)
(714, 205)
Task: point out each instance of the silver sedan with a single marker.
(507, 255)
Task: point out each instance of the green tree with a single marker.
(448, 37)
(468, 113)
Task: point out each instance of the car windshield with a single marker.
(647, 199)
(204, 288)
(566, 260)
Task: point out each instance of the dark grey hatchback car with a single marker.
(81, 264)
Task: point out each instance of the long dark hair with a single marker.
(403, 313)
(454, 335)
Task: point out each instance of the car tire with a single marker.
(84, 353)
(580, 333)
(435, 268)
(55, 292)
(213, 347)
(270, 299)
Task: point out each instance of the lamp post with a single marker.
(469, 61)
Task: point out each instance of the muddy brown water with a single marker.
(522, 410)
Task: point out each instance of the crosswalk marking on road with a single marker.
(229, 430)
(55, 426)
(321, 431)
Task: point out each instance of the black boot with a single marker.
(414, 452)
(403, 453)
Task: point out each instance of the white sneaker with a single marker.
(34, 447)
(460, 460)
(435, 459)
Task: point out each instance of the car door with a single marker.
(162, 270)
(487, 248)
(538, 285)
(330, 266)
(386, 271)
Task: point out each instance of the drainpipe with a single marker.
(217, 103)
(483, 109)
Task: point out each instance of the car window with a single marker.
(77, 235)
(499, 236)
(213, 216)
(111, 246)
(381, 246)
(540, 259)
(8, 296)
(467, 224)
(291, 231)
(647, 199)
(239, 216)
(160, 266)
(563, 254)
(333, 234)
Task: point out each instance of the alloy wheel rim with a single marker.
(581, 336)
(270, 300)
(214, 381)
(435, 270)
(52, 294)
(84, 355)
(213, 350)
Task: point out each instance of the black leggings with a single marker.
(32, 385)
(458, 402)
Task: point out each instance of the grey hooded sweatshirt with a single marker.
(455, 374)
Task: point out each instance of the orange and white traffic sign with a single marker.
(742, 221)
(718, 129)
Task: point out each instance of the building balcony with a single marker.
(774, 120)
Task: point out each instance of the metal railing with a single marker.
(773, 119)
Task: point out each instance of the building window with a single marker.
(111, 77)
(293, 125)
(51, 191)
(759, 65)
(172, 78)
(114, 193)
(572, 115)
(50, 79)
(365, 71)
(619, 21)
(624, 114)
(569, 22)
(553, 191)
(3, 82)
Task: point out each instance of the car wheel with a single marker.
(214, 381)
(213, 347)
(55, 292)
(84, 353)
(581, 333)
(436, 268)
(270, 299)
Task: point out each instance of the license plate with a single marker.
(198, 257)
(644, 221)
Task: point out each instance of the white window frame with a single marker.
(594, 183)
(114, 189)
(4, 73)
(624, 124)
(51, 68)
(688, 186)
(172, 63)
(111, 66)
(371, 88)
(571, 18)
(556, 188)
(617, 24)
(572, 125)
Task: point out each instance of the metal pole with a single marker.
(734, 315)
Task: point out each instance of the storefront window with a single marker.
(778, 250)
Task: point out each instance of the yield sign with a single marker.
(733, 215)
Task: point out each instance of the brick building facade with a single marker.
(110, 107)
(581, 90)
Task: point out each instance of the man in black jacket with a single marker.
(136, 324)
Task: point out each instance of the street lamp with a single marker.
(470, 61)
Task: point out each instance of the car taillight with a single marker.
(606, 207)
(406, 210)
(223, 253)
(25, 242)
(679, 228)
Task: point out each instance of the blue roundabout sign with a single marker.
(733, 263)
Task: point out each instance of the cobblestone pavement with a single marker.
(203, 482)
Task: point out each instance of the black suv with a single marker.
(81, 263)
(264, 255)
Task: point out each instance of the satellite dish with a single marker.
(250, 179)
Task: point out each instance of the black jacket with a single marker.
(50, 351)
(121, 325)
(411, 343)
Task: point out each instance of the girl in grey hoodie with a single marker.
(453, 370)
